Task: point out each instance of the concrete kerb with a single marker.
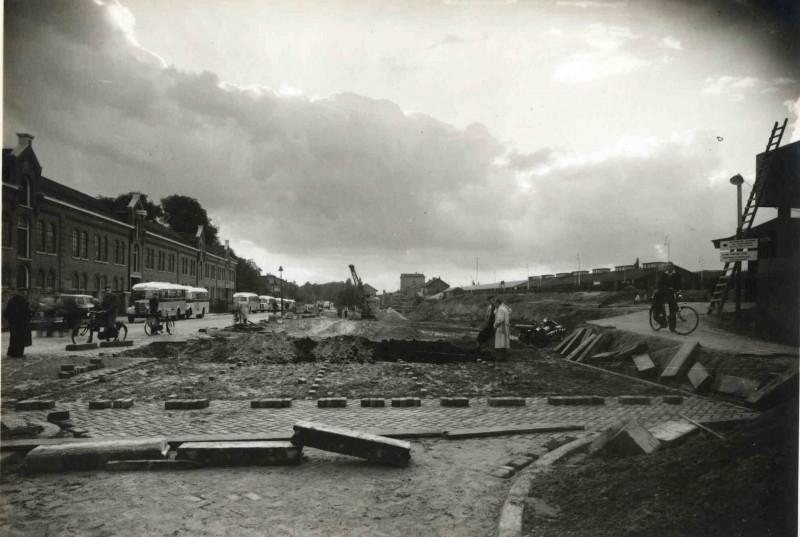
(510, 523)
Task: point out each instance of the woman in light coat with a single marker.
(502, 326)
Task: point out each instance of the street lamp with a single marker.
(280, 271)
(737, 181)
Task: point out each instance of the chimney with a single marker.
(227, 246)
(24, 140)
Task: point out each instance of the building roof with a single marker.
(487, 286)
(74, 197)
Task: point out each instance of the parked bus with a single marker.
(250, 298)
(265, 303)
(171, 300)
(197, 302)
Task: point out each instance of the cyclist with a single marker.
(109, 306)
(669, 286)
(155, 312)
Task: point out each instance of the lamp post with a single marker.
(280, 271)
(737, 181)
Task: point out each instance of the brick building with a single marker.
(411, 280)
(57, 239)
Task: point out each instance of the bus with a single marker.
(171, 300)
(250, 298)
(196, 302)
(265, 303)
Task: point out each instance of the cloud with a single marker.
(528, 161)
(738, 87)
(671, 42)
(794, 109)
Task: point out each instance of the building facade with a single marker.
(57, 239)
(411, 280)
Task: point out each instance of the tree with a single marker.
(119, 205)
(183, 214)
(247, 276)
(348, 296)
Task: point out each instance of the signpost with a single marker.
(738, 244)
(745, 255)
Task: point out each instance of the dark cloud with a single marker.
(528, 161)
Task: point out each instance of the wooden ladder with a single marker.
(732, 268)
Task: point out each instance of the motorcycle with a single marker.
(541, 334)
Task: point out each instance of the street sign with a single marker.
(738, 244)
(747, 255)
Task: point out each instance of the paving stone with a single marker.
(633, 400)
(100, 405)
(301, 380)
(78, 432)
(698, 376)
(374, 448)
(59, 415)
(731, 385)
(574, 400)
(623, 439)
(82, 347)
(66, 374)
(377, 403)
(122, 403)
(105, 344)
(92, 455)
(519, 463)
(454, 401)
(96, 361)
(506, 401)
(504, 472)
(644, 364)
(399, 402)
(67, 367)
(151, 465)
(672, 399)
(671, 433)
(555, 443)
(173, 404)
(682, 360)
(264, 453)
(80, 369)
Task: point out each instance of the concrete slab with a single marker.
(682, 360)
(698, 376)
(624, 439)
(671, 433)
(781, 387)
(240, 453)
(644, 364)
(93, 454)
(732, 385)
(378, 449)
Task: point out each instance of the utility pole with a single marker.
(476, 271)
(666, 243)
(737, 180)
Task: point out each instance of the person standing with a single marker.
(502, 334)
(155, 312)
(18, 315)
(487, 331)
(109, 306)
(669, 285)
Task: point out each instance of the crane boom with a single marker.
(362, 297)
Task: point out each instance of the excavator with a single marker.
(366, 309)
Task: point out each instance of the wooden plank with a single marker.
(597, 345)
(574, 343)
(682, 360)
(582, 347)
(563, 343)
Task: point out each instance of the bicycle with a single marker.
(686, 318)
(152, 325)
(90, 325)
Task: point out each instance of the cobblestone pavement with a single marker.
(708, 334)
(236, 417)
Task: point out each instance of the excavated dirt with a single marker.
(744, 486)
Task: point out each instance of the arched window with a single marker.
(76, 244)
(6, 230)
(6, 276)
(85, 281)
(23, 237)
(84, 245)
(103, 282)
(51, 238)
(96, 283)
(23, 277)
(121, 253)
(25, 191)
(40, 236)
(135, 263)
(97, 253)
(51, 280)
(75, 283)
(40, 279)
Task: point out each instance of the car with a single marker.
(67, 308)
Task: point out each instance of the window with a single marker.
(96, 283)
(6, 230)
(85, 281)
(135, 267)
(97, 247)
(6, 276)
(76, 244)
(104, 248)
(84, 246)
(192, 267)
(103, 282)
(25, 192)
(40, 237)
(213, 272)
(40, 279)
(51, 280)
(23, 278)
(206, 271)
(75, 283)
(51, 238)
(23, 236)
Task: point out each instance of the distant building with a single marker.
(411, 280)
(435, 286)
(370, 291)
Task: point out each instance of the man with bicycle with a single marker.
(155, 312)
(669, 285)
(109, 307)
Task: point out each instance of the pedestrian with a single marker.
(18, 315)
(244, 309)
(487, 332)
(345, 312)
(669, 286)
(109, 307)
(502, 334)
(155, 311)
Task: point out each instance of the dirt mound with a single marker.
(425, 351)
(390, 315)
(342, 349)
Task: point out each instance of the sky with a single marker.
(524, 137)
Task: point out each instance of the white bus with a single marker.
(197, 302)
(251, 299)
(265, 303)
(171, 300)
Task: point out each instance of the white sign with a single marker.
(738, 244)
(748, 255)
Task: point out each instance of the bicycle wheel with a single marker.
(82, 333)
(122, 332)
(170, 324)
(686, 320)
(150, 326)
(654, 324)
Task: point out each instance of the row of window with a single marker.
(47, 280)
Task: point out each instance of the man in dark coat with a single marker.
(18, 316)
(669, 285)
(488, 327)
(109, 306)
